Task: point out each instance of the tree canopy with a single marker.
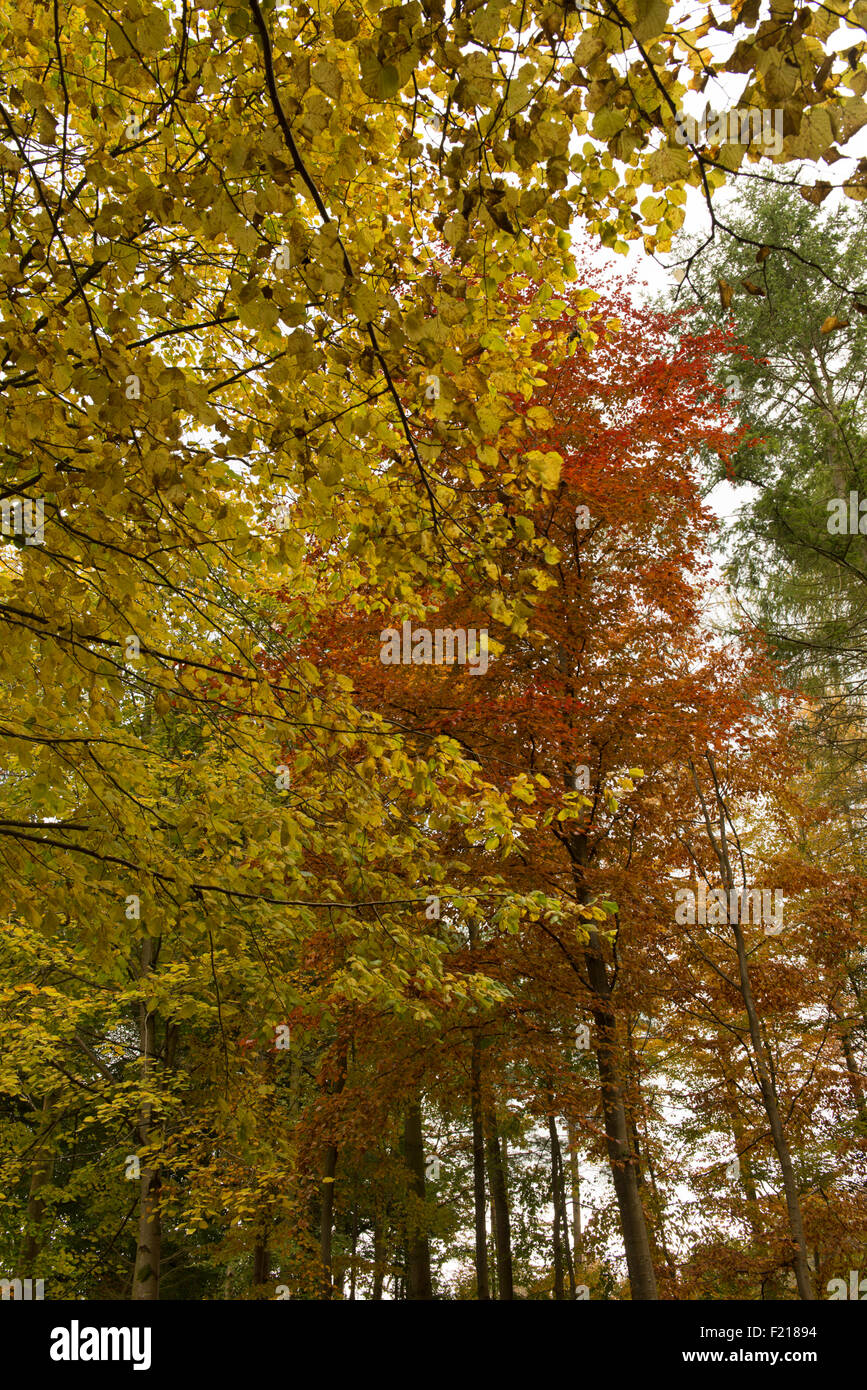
(308, 958)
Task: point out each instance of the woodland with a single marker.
(326, 976)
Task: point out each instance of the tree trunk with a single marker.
(854, 1076)
(575, 1184)
(41, 1174)
(500, 1204)
(772, 1110)
(621, 1157)
(418, 1250)
(354, 1254)
(744, 1160)
(261, 1261)
(562, 1253)
(636, 1113)
(146, 1277)
(329, 1168)
(379, 1253)
(482, 1289)
(760, 1053)
(326, 1219)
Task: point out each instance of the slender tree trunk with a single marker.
(559, 1286)
(622, 1159)
(575, 1184)
(329, 1168)
(745, 1165)
(418, 1249)
(354, 1254)
(379, 1252)
(261, 1261)
(659, 1216)
(858, 995)
(562, 1253)
(772, 1110)
(146, 1277)
(854, 1076)
(41, 1173)
(636, 1114)
(564, 1225)
(500, 1204)
(482, 1289)
(493, 1262)
(326, 1219)
(759, 1048)
(621, 1156)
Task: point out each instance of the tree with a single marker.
(795, 378)
(594, 649)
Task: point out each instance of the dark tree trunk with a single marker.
(622, 1159)
(146, 1277)
(483, 1291)
(329, 1168)
(418, 1274)
(354, 1254)
(326, 1219)
(379, 1253)
(41, 1174)
(261, 1261)
(557, 1198)
(636, 1112)
(854, 1076)
(575, 1183)
(500, 1203)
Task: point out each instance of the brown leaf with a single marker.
(815, 193)
(819, 79)
(725, 292)
(762, 254)
(833, 322)
(501, 219)
(861, 308)
(753, 289)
